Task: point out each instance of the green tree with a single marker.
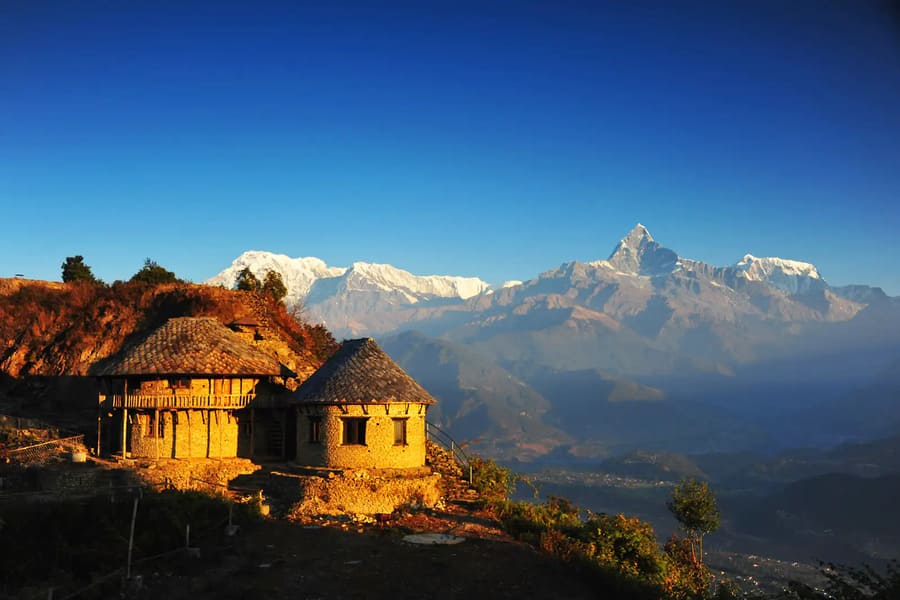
(694, 505)
(74, 269)
(153, 273)
(273, 286)
(246, 281)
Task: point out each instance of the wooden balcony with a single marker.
(186, 401)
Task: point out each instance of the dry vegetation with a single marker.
(50, 329)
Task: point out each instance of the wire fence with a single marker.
(117, 582)
(43, 451)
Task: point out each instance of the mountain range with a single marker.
(643, 347)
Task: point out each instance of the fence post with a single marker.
(131, 535)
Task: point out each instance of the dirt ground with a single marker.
(282, 559)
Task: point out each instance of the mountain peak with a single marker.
(640, 254)
(638, 234)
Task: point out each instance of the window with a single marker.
(315, 430)
(355, 431)
(400, 432)
(156, 427)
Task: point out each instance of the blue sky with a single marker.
(495, 139)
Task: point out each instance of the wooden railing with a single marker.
(176, 401)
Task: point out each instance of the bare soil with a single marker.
(282, 559)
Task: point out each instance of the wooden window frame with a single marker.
(315, 430)
(353, 431)
(400, 440)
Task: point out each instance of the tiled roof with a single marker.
(361, 373)
(192, 346)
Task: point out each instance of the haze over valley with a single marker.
(644, 349)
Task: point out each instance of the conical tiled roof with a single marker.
(361, 373)
(192, 346)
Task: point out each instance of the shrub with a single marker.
(492, 482)
(153, 273)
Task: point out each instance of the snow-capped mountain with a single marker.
(791, 276)
(298, 274)
(642, 286)
(639, 254)
(310, 280)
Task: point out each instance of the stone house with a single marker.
(360, 410)
(195, 389)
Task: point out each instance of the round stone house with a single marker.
(360, 410)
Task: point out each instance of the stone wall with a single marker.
(207, 475)
(379, 450)
(367, 492)
(184, 434)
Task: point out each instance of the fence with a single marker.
(44, 451)
(443, 439)
(122, 581)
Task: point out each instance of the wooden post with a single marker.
(99, 422)
(284, 435)
(252, 429)
(131, 535)
(156, 433)
(124, 432)
(124, 419)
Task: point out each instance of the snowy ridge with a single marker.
(301, 274)
(362, 276)
(791, 276)
(364, 285)
(298, 274)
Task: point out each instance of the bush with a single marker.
(492, 482)
(620, 553)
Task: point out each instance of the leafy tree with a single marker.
(153, 273)
(694, 505)
(273, 286)
(246, 281)
(74, 269)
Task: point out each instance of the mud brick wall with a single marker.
(185, 434)
(379, 450)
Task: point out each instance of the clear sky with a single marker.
(491, 138)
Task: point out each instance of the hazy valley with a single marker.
(605, 378)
